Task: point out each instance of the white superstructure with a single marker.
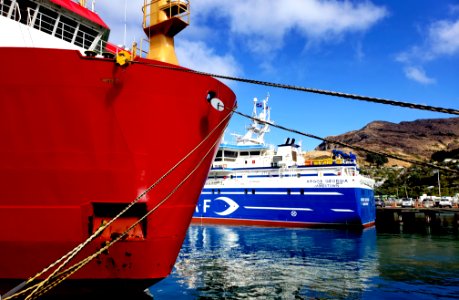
(48, 25)
(252, 162)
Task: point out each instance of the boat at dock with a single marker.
(252, 183)
(82, 126)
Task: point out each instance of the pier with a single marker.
(412, 218)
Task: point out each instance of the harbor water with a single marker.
(229, 262)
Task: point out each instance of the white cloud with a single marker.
(441, 39)
(198, 56)
(418, 74)
(444, 38)
(195, 55)
(259, 25)
(266, 23)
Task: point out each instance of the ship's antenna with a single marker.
(268, 110)
(254, 112)
(125, 18)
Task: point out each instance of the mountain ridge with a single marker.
(417, 139)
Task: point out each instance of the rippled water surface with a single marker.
(220, 262)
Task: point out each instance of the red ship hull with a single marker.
(83, 137)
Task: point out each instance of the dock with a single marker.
(421, 217)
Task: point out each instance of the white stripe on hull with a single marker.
(278, 208)
(341, 210)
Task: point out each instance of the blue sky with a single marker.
(403, 50)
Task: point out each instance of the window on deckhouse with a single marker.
(230, 155)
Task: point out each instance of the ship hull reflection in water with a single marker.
(248, 262)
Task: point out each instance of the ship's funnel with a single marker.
(162, 20)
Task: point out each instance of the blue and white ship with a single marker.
(252, 183)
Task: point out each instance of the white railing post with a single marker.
(29, 17)
(10, 11)
(18, 10)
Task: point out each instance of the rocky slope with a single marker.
(415, 140)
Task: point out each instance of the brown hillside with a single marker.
(416, 140)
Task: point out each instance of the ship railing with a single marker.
(104, 47)
(144, 43)
(4, 8)
(172, 8)
(18, 10)
(79, 35)
(57, 28)
(10, 10)
(54, 26)
(29, 16)
(329, 161)
(139, 49)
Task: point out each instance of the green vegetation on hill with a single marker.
(414, 181)
(376, 159)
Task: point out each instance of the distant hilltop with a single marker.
(414, 140)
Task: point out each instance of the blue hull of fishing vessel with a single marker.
(293, 207)
(251, 183)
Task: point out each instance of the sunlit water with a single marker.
(221, 262)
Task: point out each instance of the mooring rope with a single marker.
(416, 162)
(71, 254)
(45, 285)
(452, 111)
(74, 268)
(329, 93)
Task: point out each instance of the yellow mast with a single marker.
(162, 20)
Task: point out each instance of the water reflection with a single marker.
(418, 266)
(272, 263)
